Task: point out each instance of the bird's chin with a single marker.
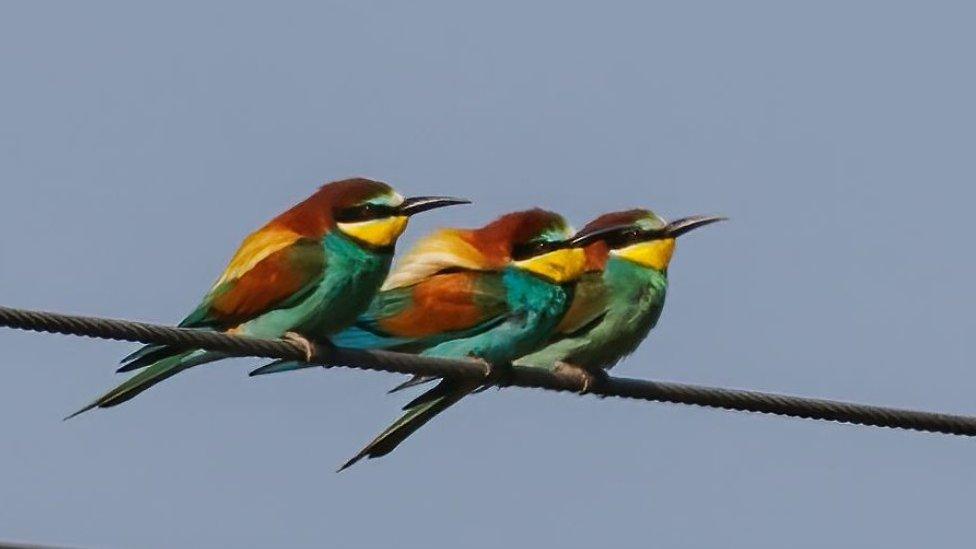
(654, 254)
(376, 233)
(558, 266)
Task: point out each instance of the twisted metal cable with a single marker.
(328, 356)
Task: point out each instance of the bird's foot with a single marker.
(485, 364)
(305, 344)
(495, 374)
(589, 378)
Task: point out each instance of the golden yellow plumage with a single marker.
(443, 249)
(655, 254)
(378, 233)
(256, 247)
(559, 266)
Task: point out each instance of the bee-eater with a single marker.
(619, 298)
(493, 294)
(309, 272)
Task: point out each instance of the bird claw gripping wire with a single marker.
(304, 344)
(588, 378)
(497, 375)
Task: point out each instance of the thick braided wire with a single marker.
(677, 393)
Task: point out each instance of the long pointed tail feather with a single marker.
(412, 382)
(418, 413)
(280, 366)
(146, 356)
(152, 353)
(141, 352)
(151, 375)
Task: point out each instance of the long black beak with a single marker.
(417, 204)
(584, 237)
(685, 224)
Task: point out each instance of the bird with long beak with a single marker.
(493, 294)
(307, 274)
(620, 297)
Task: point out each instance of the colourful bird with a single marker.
(619, 298)
(493, 294)
(311, 271)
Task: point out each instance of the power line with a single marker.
(329, 356)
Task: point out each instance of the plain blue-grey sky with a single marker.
(139, 144)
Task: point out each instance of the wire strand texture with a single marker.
(386, 361)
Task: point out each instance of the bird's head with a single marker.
(638, 236)
(537, 241)
(372, 213)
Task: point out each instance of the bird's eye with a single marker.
(364, 212)
(532, 249)
(624, 238)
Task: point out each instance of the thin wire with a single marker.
(328, 356)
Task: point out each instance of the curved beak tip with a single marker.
(686, 224)
(417, 204)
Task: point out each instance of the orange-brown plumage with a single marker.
(280, 275)
(315, 216)
(496, 239)
(488, 248)
(443, 303)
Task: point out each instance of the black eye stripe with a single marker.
(629, 237)
(535, 248)
(365, 212)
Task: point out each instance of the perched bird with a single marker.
(311, 272)
(620, 296)
(493, 294)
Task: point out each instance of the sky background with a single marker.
(139, 145)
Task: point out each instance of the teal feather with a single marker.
(352, 275)
(631, 306)
(534, 309)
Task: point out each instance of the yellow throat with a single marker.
(655, 254)
(378, 233)
(560, 266)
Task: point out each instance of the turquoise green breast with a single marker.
(353, 275)
(634, 299)
(533, 295)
